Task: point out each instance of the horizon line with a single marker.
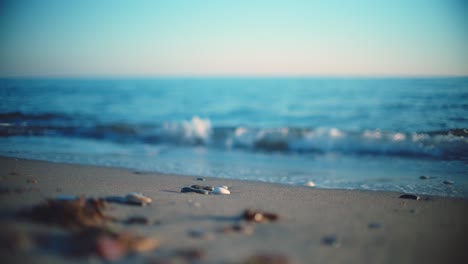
(234, 76)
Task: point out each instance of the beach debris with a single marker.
(133, 198)
(310, 184)
(201, 234)
(374, 225)
(266, 259)
(110, 245)
(220, 190)
(201, 187)
(258, 216)
(237, 228)
(137, 197)
(190, 189)
(410, 197)
(331, 240)
(73, 213)
(200, 179)
(449, 182)
(139, 220)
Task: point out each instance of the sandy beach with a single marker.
(313, 225)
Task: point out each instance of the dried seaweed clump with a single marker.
(72, 214)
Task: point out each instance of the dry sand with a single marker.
(430, 230)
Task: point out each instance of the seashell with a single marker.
(136, 197)
(310, 184)
(224, 186)
(220, 190)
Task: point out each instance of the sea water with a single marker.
(349, 133)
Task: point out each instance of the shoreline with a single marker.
(365, 226)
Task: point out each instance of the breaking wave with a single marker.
(447, 144)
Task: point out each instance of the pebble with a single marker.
(410, 196)
(208, 188)
(220, 190)
(224, 186)
(310, 184)
(258, 216)
(140, 220)
(190, 189)
(331, 240)
(423, 177)
(449, 182)
(136, 197)
(201, 179)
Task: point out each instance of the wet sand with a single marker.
(314, 225)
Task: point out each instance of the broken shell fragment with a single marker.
(220, 190)
(136, 197)
(258, 216)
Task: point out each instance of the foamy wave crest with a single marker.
(325, 140)
(195, 131)
(449, 144)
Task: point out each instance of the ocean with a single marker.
(347, 133)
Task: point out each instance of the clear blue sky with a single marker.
(196, 37)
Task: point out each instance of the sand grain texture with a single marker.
(314, 225)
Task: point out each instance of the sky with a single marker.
(233, 38)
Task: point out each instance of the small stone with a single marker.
(140, 220)
(423, 177)
(190, 189)
(330, 240)
(258, 216)
(224, 186)
(220, 190)
(136, 197)
(310, 184)
(201, 187)
(410, 197)
(201, 179)
(449, 182)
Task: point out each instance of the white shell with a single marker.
(220, 190)
(138, 198)
(310, 184)
(224, 186)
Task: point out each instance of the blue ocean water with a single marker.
(351, 133)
